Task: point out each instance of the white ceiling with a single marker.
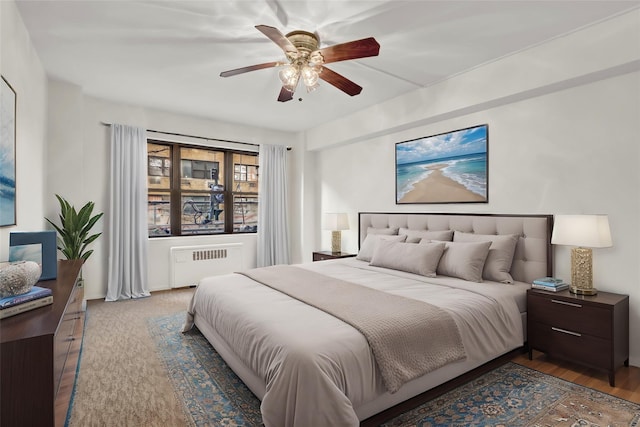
(168, 54)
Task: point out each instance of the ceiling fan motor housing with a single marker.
(304, 41)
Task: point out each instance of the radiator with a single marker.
(189, 264)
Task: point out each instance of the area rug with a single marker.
(212, 393)
(514, 395)
(511, 395)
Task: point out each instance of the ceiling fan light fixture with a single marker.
(309, 76)
(289, 74)
(306, 59)
(312, 88)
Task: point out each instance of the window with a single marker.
(245, 172)
(196, 190)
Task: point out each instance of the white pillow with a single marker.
(500, 258)
(371, 242)
(414, 236)
(463, 260)
(419, 259)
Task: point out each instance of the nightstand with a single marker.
(323, 255)
(589, 330)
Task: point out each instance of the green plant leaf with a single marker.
(73, 233)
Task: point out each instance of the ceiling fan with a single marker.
(306, 61)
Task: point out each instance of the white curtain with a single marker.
(273, 224)
(128, 214)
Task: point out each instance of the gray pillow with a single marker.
(371, 242)
(419, 259)
(500, 258)
(463, 260)
(386, 231)
(414, 236)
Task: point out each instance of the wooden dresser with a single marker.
(589, 330)
(35, 349)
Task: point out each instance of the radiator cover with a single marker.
(189, 264)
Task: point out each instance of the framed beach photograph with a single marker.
(449, 167)
(7, 154)
(34, 246)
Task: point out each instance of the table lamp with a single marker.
(584, 232)
(336, 222)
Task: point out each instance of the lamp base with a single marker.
(581, 291)
(336, 242)
(582, 272)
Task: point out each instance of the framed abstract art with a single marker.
(7, 154)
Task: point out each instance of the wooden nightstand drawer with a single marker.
(557, 342)
(571, 315)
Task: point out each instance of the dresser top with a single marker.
(43, 320)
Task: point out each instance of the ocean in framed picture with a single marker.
(7, 154)
(446, 168)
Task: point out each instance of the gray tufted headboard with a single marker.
(533, 256)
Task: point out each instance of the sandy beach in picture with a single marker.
(438, 187)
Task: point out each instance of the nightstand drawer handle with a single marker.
(564, 331)
(566, 303)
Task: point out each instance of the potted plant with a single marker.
(73, 233)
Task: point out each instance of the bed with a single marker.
(304, 339)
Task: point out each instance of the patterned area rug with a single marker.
(514, 395)
(511, 395)
(212, 393)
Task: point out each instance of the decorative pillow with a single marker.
(371, 242)
(500, 258)
(385, 231)
(419, 259)
(463, 260)
(414, 236)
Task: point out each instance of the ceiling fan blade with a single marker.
(350, 50)
(249, 68)
(278, 38)
(341, 82)
(285, 95)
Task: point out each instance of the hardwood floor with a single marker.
(627, 378)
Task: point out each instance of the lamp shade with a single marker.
(335, 221)
(590, 231)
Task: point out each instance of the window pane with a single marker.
(202, 213)
(159, 214)
(252, 173)
(159, 166)
(201, 168)
(245, 176)
(245, 214)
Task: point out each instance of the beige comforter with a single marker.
(394, 326)
(316, 369)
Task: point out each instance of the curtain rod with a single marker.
(198, 137)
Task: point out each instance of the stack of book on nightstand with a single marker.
(36, 297)
(550, 284)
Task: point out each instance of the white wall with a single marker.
(21, 67)
(564, 120)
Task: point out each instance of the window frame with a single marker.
(176, 191)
